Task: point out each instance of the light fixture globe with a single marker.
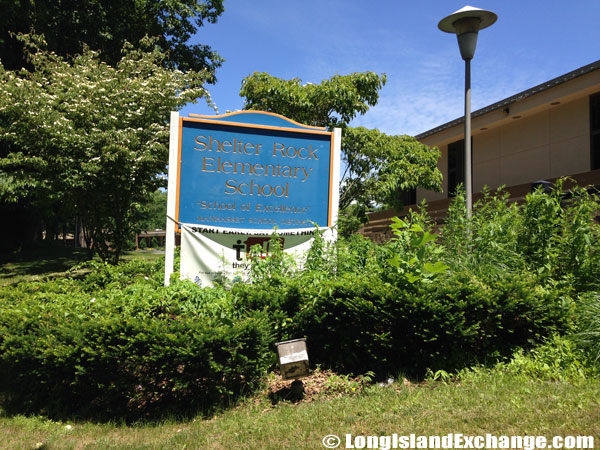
(466, 23)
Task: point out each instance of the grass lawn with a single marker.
(500, 406)
(51, 260)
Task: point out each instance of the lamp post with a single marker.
(466, 23)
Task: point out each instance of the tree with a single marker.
(89, 138)
(333, 103)
(154, 212)
(378, 166)
(70, 25)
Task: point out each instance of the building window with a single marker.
(408, 197)
(456, 165)
(595, 130)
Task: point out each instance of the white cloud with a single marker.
(421, 98)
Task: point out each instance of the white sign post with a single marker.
(171, 196)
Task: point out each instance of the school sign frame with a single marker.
(248, 172)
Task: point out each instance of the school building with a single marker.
(548, 131)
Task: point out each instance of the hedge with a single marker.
(361, 323)
(132, 351)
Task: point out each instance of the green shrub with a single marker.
(359, 255)
(558, 358)
(486, 245)
(273, 268)
(414, 253)
(355, 323)
(386, 308)
(132, 349)
(579, 245)
(588, 335)
(108, 276)
(553, 234)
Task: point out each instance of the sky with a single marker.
(532, 42)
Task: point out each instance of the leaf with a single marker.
(438, 267)
(427, 238)
(412, 278)
(415, 227)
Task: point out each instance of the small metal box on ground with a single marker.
(293, 358)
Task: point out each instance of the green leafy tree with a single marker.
(90, 138)
(333, 103)
(154, 212)
(377, 166)
(70, 25)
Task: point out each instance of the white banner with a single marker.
(211, 253)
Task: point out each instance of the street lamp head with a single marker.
(466, 23)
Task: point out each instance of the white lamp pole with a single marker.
(466, 23)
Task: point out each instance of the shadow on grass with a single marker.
(54, 259)
(121, 414)
(36, 262)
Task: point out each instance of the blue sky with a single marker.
(533, 41)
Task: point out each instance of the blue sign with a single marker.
(254, 170)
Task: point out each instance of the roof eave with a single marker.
(517, 97)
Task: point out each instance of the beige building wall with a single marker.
(535, 145)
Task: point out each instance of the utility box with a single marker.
(293, 359)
